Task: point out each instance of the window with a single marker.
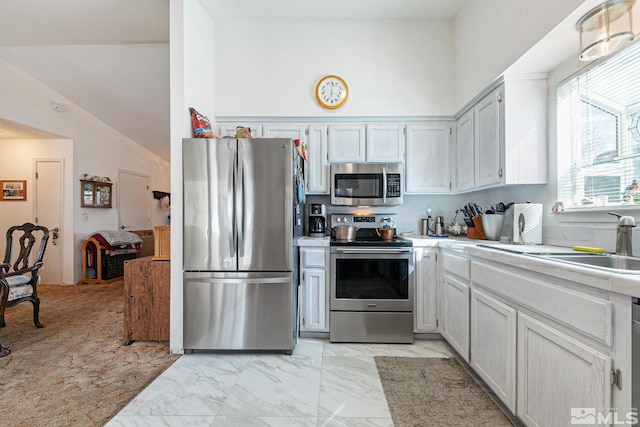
(598, 133)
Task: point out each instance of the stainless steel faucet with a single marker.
(623, 236)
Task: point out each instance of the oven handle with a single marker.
(373, 250)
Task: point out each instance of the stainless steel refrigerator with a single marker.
(241, 207)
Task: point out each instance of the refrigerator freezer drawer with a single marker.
(243, 311)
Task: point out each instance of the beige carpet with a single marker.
(424, 392)
(74, 371)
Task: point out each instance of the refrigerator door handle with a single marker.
(231, 206)
(242, 217)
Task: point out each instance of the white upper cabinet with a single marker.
(284, 130)
(486, 116)
(502, 138)
(428, 164)
(385, 143)
(314, 139)
(316, 169)
(347, 143)
(525, 132)
(465, 152)
(229, 129)
(359, 143)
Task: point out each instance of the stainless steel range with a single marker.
(372, 283)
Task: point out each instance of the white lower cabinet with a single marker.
(493, 345)
(557, 373)
(425, 309)
(313, 296)
(457, 314)
(544, 345)
(454, 301)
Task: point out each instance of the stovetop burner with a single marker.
(372, 242)
(366, 234)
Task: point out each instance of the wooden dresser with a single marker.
(146, 300)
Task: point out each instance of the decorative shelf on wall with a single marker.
(95, 194)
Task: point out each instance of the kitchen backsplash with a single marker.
(601, 234)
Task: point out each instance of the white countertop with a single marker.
(623, 283)
(627, 284)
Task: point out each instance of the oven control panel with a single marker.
(364, 220)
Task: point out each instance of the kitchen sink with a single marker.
(611, 262)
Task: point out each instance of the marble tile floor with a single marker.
(320, 384)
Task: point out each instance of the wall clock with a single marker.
(332, 92)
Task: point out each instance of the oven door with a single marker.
(372, 279)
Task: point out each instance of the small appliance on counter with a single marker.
(523, 223)
(317, 220)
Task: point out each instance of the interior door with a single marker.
(133, 201)
(48, 212)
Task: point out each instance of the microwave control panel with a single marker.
(393, 185)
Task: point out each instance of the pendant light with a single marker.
(605, 29)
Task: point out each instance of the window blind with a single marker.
(598, 133)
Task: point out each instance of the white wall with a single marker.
(192, 72)
(392, 68)
(97, 149)
(490, 35)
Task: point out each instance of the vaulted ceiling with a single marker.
(111, 57)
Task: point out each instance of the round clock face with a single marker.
(332, 92)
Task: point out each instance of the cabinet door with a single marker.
(229, 129)
(428, 160)
(465, 152)
(346, 143)
(556, 373)
(493, 345)
(457, 315)
(313, 301)
(426, 315)
(283, 130)
(316, 169)
(487, 140)
(385, 143)
(314, 295)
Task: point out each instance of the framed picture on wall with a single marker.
(14, 189)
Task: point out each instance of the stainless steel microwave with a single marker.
(367, 184)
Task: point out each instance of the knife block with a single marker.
(476, 232)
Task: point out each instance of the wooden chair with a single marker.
(4, 294)
(21, 267)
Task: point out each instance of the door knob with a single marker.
(55, 233)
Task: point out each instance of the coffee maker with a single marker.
(317, 220)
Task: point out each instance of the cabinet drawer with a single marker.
(456, 265)
(314, 258)
(584, 313)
